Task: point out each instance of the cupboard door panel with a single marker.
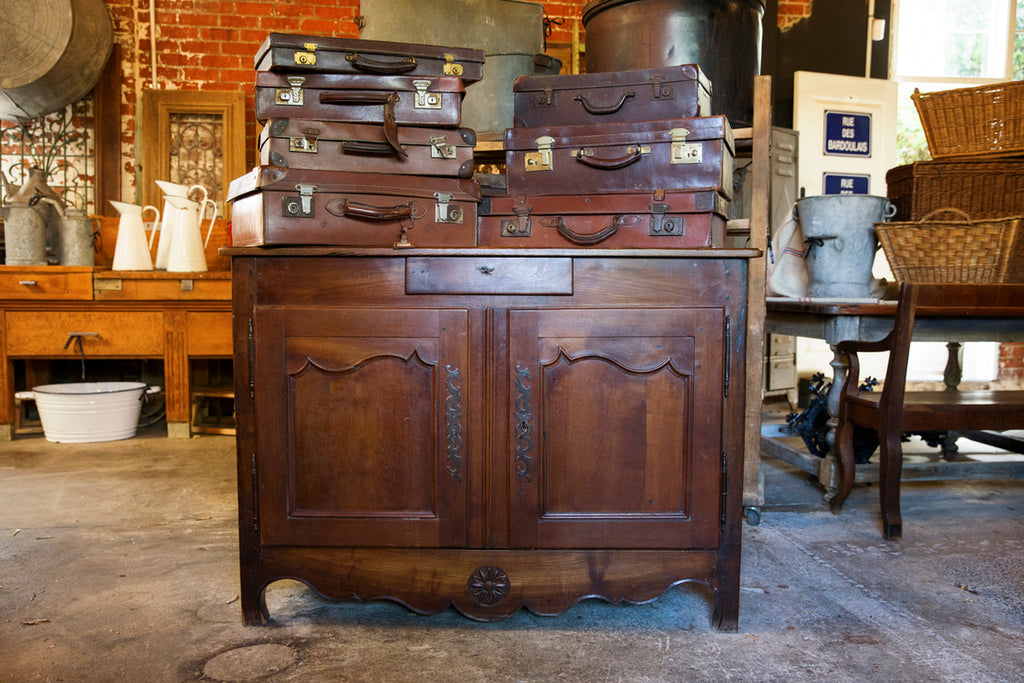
(361, 405)
(618, 428)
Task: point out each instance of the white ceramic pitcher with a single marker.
(187, 251)
(131, 252)
(171, 215)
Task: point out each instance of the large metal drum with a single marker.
(722, 36)
(52, 52)
(510, 32)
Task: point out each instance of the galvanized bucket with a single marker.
(839, 231)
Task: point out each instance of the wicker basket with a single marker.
(983, 121)
(962, 250)
(991, 188)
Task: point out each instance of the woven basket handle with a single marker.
(948, 209)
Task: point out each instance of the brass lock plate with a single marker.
(542, 159)
(291, 96)
(684, 152)
(424, 99)
(450, 67)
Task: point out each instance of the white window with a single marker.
(944, 44)
(939, 45)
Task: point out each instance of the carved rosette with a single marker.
(488, 586)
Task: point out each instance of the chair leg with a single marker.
(844, 465)
(889, 472)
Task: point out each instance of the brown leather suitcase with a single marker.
(677, 154)
(402, 100)
(280, 206)
(292, 52)
(332, 146)
(672, 92)
(668, 219)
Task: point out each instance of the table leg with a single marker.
(953, 373)
(829, 472)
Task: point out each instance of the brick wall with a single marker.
(1011, 364)
(206, 45)
(792, 11)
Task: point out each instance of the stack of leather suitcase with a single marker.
(630, 159)
(361, 146)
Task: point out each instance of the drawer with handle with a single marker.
(56, 334)
(46, 283)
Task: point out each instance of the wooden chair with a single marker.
(893, 410)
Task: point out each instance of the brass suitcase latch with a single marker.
(541, 160)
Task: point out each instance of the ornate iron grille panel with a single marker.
(62, 144)
(197, 152)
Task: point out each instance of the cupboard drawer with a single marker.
(488, 275)
(781, 374)
(34, 284)
(209, 334)
(781, 345)
(104, 334)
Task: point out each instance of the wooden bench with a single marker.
(894, 410)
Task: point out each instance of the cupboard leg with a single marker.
(254, 607)
(727, 610)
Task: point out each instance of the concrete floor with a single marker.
(118, 562)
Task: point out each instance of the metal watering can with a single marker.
(28, 219)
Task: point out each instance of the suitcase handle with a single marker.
(359, 97)
(376, 66)
(587, 239)
(343, 208)
(362, 97)
(370, 147)
(601, 111)
(608, 164)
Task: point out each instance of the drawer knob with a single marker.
(28, 283)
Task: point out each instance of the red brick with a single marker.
(324, 27)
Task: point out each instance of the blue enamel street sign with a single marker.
(847, 134)
(846, 183)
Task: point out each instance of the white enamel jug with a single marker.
(131, 252)
(187, 251)
(171, 220)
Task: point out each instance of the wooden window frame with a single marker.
(157, 108)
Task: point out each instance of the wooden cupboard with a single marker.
(490, 430)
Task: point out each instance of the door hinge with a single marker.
(252, 362)
(725, 487)
(255, 498)
(728, 354)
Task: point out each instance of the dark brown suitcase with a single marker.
(332, 146)
(681, 154)
(672, 92)
(280, 206)
(635, 220)
(397, 100)
(288, 52)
